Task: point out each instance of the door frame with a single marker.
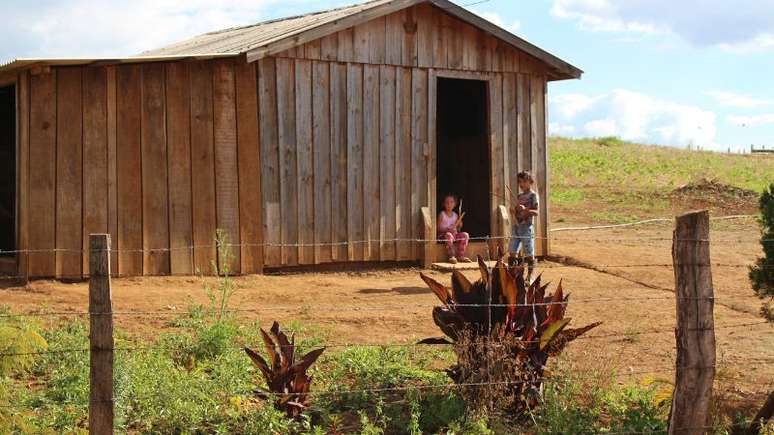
(487, 78)
(10, 265)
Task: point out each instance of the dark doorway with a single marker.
(463, 149)
(7, 169)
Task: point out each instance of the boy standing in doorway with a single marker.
(523, 229)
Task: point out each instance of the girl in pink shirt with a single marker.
(449, 226)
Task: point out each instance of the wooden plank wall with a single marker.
(159, 155)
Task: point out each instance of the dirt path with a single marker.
(393, 306)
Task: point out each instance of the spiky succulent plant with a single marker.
(286, 378)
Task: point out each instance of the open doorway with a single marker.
(7, 170)
(463, 149)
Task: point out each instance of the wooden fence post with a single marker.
(100, 336)
(695, 332)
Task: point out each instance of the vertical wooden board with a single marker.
(454, 35)
(129, 169)
(226, 166)
(537, 98)
(305, 162)
(69, 172)
(23, 159)
(155, 196)
(524, 123)
(371, 201)
(202, 166)
(346, 39)
(403, 167)
(377, 42)
(495, 53)
(112, 181)
(355, 231)
(179, 168)
(440, 41)
(387, 213)
(313, 49)
(394, 39)
(431, 149)
(339, 169)
(425, 39)
(267, 84)
(321, 135)
(286, 113)
(95, 158)
(470, 47)
(409, 49)
(510, 137)
(329, 47)
(484, 51)
(248, 143)
(362, 43)
(496, 149)
(419, 145)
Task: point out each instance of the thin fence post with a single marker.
(100, 336)
(695, 332)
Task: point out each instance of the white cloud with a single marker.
(751, 121)
(742, 101)
(741, 25)
(632, 116)
(498, 20)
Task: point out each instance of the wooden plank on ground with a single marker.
(387, 203)
(305, 162)
(22, 187)
(270, 189)
(69, 173)
(371, 200)
(95, 158)
(248, 141)
(419, 145)
(321, 134)
(286, 112)
(355, 209)
(496, 151)
(179, 168)
(403, 170)
(226, 166)
(42, 175)
(155, 195)
(129, 169)
(112, 182)
(202, 167)
(339, 175)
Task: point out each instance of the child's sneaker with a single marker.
(466, 260)
(453, 260)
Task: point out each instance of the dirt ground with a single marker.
(621, 277)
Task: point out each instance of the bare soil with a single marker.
(622, 277)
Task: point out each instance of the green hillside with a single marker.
(609, 180)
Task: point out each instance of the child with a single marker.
(523, 229)
(449, 226)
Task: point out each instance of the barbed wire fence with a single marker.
(100, 281)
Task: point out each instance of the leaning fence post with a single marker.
(100, 336)
(695, 333)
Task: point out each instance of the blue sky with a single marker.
(678, 73)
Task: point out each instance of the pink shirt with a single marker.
(446, 222)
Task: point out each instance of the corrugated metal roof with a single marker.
(244, 39)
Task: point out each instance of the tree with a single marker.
(762, 274)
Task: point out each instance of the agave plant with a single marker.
(501, 311)
(286, 378)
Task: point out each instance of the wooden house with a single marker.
(323, 138)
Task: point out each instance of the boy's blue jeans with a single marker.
(522, 235)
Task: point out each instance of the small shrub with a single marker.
(24, 343)
(762, 274)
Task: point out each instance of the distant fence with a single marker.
(761, 150)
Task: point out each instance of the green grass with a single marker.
(621, 181)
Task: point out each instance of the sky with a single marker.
(681, 73)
